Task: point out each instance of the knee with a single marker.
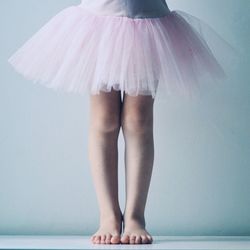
(106, 123)
(137, 122)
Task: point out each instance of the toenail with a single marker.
(115, 239)
(125, 239)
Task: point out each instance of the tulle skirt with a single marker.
(77, 51)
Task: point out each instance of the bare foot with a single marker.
(109, 231)
(135, 232)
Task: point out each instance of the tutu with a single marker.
(141, 52)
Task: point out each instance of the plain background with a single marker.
(200, 183)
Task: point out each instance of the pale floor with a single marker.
(160, 242)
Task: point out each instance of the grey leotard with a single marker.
(128, 8)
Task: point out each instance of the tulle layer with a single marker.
(79, 52)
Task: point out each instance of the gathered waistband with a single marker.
(127, 8)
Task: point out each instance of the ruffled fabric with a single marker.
(79, 52)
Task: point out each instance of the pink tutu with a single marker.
(78, 51)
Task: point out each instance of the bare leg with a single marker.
(103, 155)
(137, 126)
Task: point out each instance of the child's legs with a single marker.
(137, 126)
(103, 152)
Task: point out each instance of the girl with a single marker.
(110, 48)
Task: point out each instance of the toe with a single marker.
(144, 240)
(108, 238)
(98, 239)
(132, 239)
(103, 239)
(115, 239)
(138, 239)
(150, 238)
(125, 239)
(92, 238)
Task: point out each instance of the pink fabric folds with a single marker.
(77, 51)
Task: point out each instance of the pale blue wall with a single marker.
(200, 183)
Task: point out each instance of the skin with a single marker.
(134, 117)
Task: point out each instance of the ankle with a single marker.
(134, 219)
(111, 216)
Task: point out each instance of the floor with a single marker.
(160, 242)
